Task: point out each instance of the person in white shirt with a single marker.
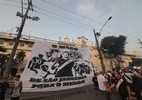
(17, 89)
(103, 85)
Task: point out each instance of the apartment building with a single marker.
(25, 44)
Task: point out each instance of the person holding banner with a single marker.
(17, 89)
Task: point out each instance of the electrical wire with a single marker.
(68, 18)
(72, 13)
(17, 1)
(57, 15)
(11, 29)
(85, 17)
(81, 15)
(63, 17)
(54, 17)
(10, 5)
(74, 24)
(49, 16)
(61, 20)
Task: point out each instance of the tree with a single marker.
(114, 46)
(3, 59)
(20, 56)
(2, 49)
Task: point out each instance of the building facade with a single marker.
(26, 44)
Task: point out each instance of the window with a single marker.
(21, 44)
(30, 45)
(11, 43)
(1, 41)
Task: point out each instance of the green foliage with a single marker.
(4, 58)
(20, 56)
(114, 45)
(3, 49)
(117, 68)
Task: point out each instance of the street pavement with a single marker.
(83, 93)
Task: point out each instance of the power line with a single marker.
(57, 15)
(58, 18)
(13, 1)
(8, 67)
(136, 31)
(61, 20)
(63, 17)
(16, 2)
(73, 13)
(132, 39)
(70, 12)
(80, 15)
(53, 17)
(10, 5)
(68, 18)
(12, 29)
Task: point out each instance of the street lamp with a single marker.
(97, 34)
(105, 24)
(24, 17)
(35, 18)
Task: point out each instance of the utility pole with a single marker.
(9, 64)
(97, 34)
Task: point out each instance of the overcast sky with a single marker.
(74, 18)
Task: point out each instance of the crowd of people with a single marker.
(15, 90)
(127, 82)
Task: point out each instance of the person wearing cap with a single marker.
(17, 89)
(4, 85)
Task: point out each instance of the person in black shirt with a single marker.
(94, 79)
(3, 86)
(122, 87)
